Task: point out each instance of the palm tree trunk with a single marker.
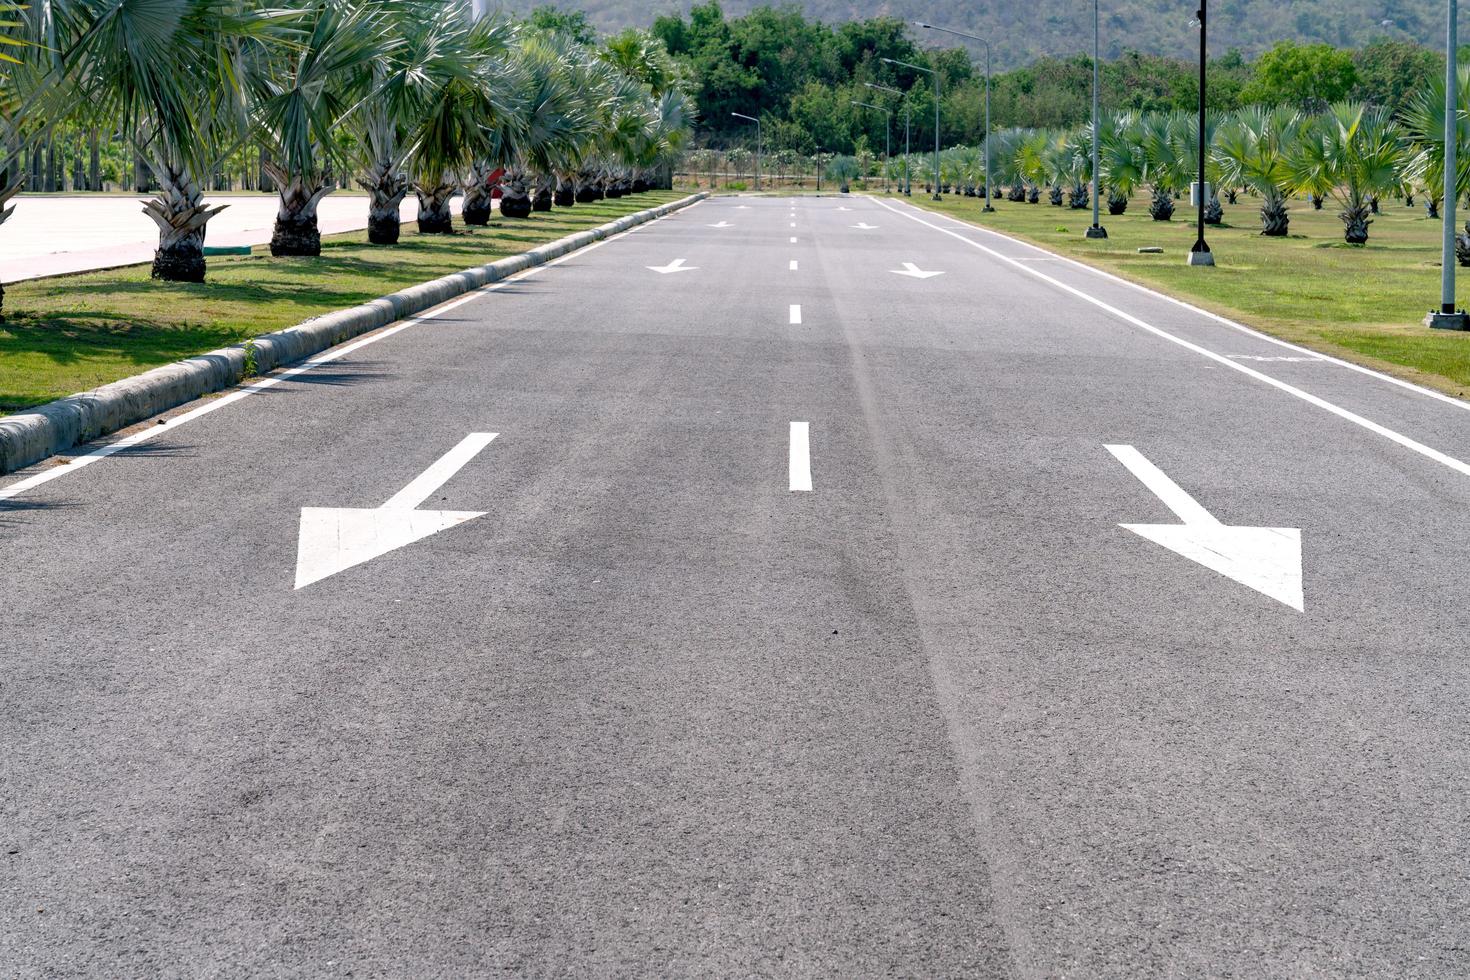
(1056, 196)
(515, 197)
(94, 162)
(1214, 213)
(179, 211)
(479, 194)
(1079, 197)
(1355, 222)
(566, 193)
(1274, 218)
(544, 187)
(296, 232)
(1431, 206)
(1117, 202)
(1462, 246)
(435, 214)
(1161, 204)
(386, 190)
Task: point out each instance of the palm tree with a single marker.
(1252, 149)
(1359, 154)
(1167, 165)
(302, 97)
(1121, 160)
(843, 170)
(1424, 124)
(173, 73)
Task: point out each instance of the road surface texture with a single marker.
(787, 626)
(50, 236)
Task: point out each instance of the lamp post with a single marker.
(887, 136)
(1200, 253)
(931, 71)
(741, 115)
(1097, 230)
(1448, 317)
(973, 37)
(908, 187)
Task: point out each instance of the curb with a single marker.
(54, 427)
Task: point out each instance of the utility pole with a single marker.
(1097, 230)
(1448, 317)
(1200, 254)
(935, 73)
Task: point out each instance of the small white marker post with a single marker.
(800, 465)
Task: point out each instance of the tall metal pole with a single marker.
(908, 186)
(887, 146)
(1200, 253)
(1097, 230)
(935, 73)
(987, 127)
(741, 115)
(1448, 317)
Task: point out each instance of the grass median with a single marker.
(1362, 303)
(71, 333)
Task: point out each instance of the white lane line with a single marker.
(793, 265)
(795, 313)
(153, 431)
(1458, 466)
(793, 224)
(793, 239)
(1223, 321)
(800, 466)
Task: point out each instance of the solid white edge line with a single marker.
(1185, 507)
(799, 468)
(1223, 320)
(1311, 399)
(795, 313)
(331, 354)
(421, 487)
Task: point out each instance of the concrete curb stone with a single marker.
(54, 427)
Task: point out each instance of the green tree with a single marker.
(1308, 76)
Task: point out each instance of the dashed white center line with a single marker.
(800, 467)
(793, 239)
(795, 313)
(793, 265)
(793, 224)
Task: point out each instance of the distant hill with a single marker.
(1023, 29)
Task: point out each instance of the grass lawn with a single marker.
(72, 333)
(1361, 303)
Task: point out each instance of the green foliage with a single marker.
(1308, 76)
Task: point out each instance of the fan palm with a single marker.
(1165, 139)
(302, 97)
(1357, 153)
(1424, 120)
(1252, 149)
(1122, 165)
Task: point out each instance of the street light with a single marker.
(741, 115)
(972, 37)
(908, 187)
(1448, 317)
(931, 71)
(1097, 230)
(1200, 253)
(887, 136)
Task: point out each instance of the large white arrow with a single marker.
(913, 271)
(334, 539)
(722, 224)
(865, 226)
(675, 266)
(1267, 559)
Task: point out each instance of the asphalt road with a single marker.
(660, 710)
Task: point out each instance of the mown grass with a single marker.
(72, 333)
(1363, 303)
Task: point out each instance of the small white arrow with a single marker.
(909, 269)
(723, 224)
(865, 226)
(1267, 559)
(742, 207)
(334, 539)
(675, 266)
(844, 208)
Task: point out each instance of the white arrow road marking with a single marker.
(675, 266)
(722, 224)
(800, 466)
(909, 269)
(865, 226)
(334, 539)
(795, 313)
(1267, 559)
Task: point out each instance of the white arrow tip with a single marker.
(1266, 559)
